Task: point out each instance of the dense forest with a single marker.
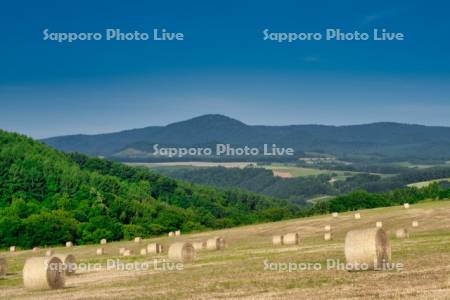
(298, 190)
(258, 180)
(49, 197)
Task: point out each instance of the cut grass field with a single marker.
(194, 164)
(296, 171)
(238, 271)
(422, 184)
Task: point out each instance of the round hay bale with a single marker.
(327, 228)
(49, 252)
(222, 243)
(379, 224)
(36, 250)
(128, 252)
(143, 251)
(40, 273)
(357, 216)
(137, 239)
(277, 240)
(201, 245)
(406, 205)
(121, 250)
(69, 244)
(181, 251)
(3, 267)
(335, 215)
(100, 251)
(171, 234)
(327, 236)
(215, 243)
(367, 249)
(12, 249)
(290, 239)
(69, 262)
(415, 224)
(402, 233)
(177, 233)
(154, 248)
(103, 242)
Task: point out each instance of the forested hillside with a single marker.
(48, 197)
(298, 190)
(258, 180)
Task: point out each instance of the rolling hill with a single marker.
(388, 141)
(48, 197)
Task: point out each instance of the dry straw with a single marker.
(121, 250)
(415, 224)
(277, 240)
(291, 239)
(406, 205)
(177, 233)
(36, 249)
(127, 252)
(103, 242)
(100, 251)
(40, 273)
(3, 267)
(69, 244)
(335, 214)
(49, 252)
(222, 243)
(137, 239)
(367, 247)
(181, 251)
(69, 261)
(215, 243)
(12, 249)
(154, 248)
(327, 228)
(327, 236)
(199, 245)
(171, 234)
(402, 233)
(143, 251)
(379, 224)
(357, 216)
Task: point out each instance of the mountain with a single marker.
(380, 140)
(48, 197)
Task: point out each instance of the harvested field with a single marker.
(238, 271)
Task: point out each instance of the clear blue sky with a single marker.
(223, 65)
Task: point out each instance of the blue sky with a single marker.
(223, 65)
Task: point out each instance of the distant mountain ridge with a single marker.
(388, 140)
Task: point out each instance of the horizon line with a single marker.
(237, 120)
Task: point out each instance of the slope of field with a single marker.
(238, 271)
(422, 184)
